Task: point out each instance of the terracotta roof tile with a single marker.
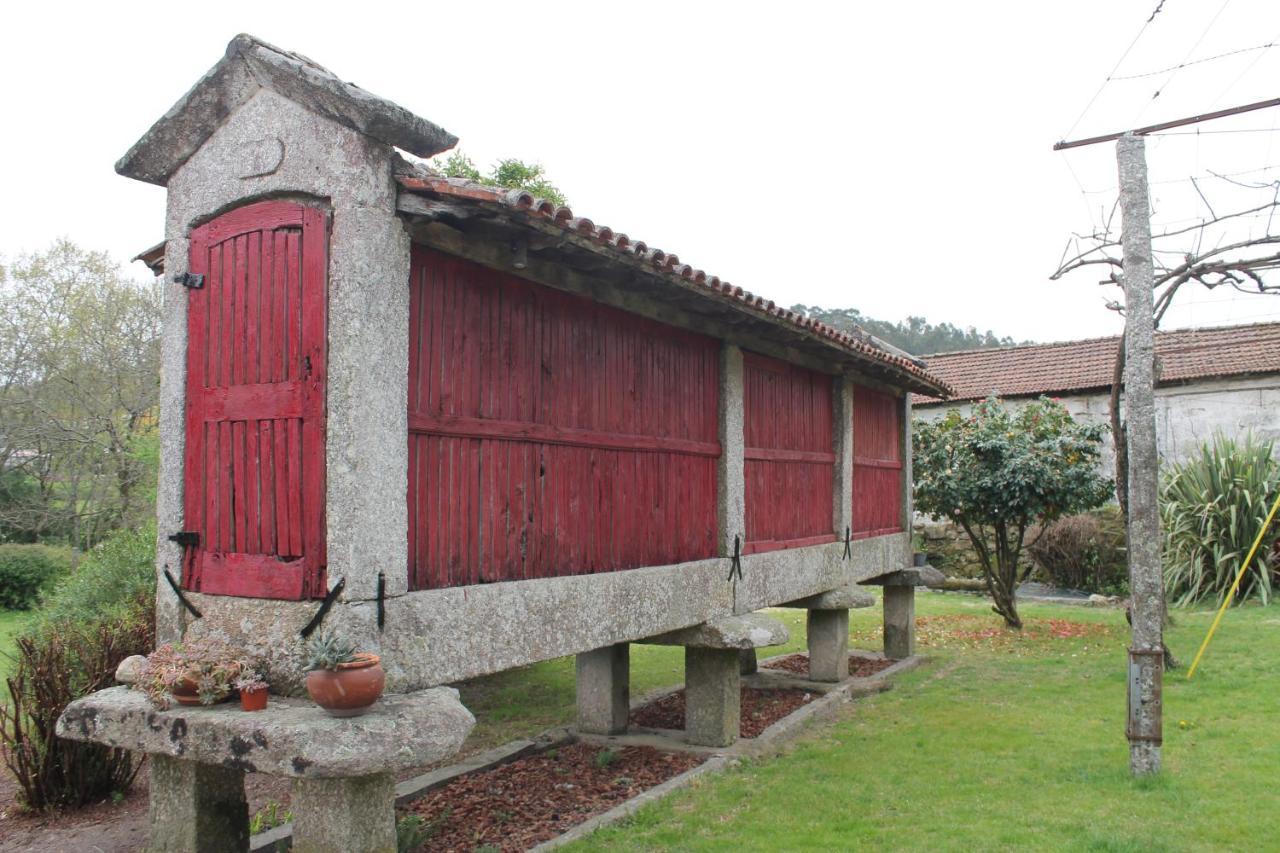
(1074, 366)
(523, 202)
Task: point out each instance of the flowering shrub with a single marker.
(999, 472)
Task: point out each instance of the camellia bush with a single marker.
(1212, 507)
(1000, 472)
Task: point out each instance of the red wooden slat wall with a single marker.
(789, 454)
(877, 462)
(254, 468)
(550, 435)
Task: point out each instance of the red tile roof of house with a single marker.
(1075, 366)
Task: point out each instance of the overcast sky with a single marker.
(892, 157)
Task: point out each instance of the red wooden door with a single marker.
(877, 463)
(550, 435)
(254, 474)
(789, 455)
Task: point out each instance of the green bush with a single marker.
(26, 571)
(90, 622)
(1212, 507)
(1085, 551)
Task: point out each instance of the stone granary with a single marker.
(474, 431)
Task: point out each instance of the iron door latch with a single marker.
(193, 280)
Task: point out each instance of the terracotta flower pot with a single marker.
(185, 692)
(253, 700)
(351, 689)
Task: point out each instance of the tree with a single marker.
(916, 335)
(79, 382)
(998, 473)
(509, 173)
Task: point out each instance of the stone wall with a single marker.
(948, 547)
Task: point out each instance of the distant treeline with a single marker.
(916, 335)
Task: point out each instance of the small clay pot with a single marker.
(253, 700)
(351, 689)
(185, 692)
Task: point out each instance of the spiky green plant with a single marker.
(327, 649)
(1212, 507)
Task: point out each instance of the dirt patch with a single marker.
(533, 799)
(761, 708)
(859, 667)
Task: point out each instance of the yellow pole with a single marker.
(1235, 586)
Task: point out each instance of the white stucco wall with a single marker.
(1186, 415)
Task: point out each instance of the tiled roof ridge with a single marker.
(420, 179)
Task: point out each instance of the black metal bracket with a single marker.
(848, 545)
(382, 596)
(192, 280)
(186, 538)
(332, 596)
(735, 567)
(177, 590)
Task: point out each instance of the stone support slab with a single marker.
(196, 808)
(355, 815)
(751, 631)
(603, 678)
(899, 622)
(844, 598)
(828, 632)
(712, 696)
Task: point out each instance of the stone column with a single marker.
(353, 815)
(899, 621)
(842, 433)
(908, 502)
(730, 470)
(712, 696)
(604, 689)
(197, 808)
(828, 632)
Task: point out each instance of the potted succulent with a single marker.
(195, 672)
(253, 690)
(342, 681)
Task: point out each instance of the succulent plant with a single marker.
(327, 650)
(211, 665)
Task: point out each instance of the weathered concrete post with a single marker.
(1146, 585)
(899, 621)
(828, 632)
(731, 467)
(339, 815)
(603, 678)
(196, 808)
(712, 695)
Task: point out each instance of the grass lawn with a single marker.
(11, 623)
(1004, 743)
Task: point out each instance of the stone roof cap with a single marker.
(249, 65)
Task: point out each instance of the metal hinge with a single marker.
(193, 280)
(186, 538)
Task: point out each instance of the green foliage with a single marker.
(914, 334)
(413, 831)
(72, 647)
(269, 817)
(604, 758)
(26, 571)
(508, 173)
(1000, 471)
(1085, 551)
(1212, 507)
(326, 650)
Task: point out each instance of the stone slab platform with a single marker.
(914, 576)
(844, 598)
(750, 631)
(292, 737)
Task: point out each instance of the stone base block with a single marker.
(828, 632)
(603, 678)
(354, 815)
(899, 622)
(712, 695)
(197, 808)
